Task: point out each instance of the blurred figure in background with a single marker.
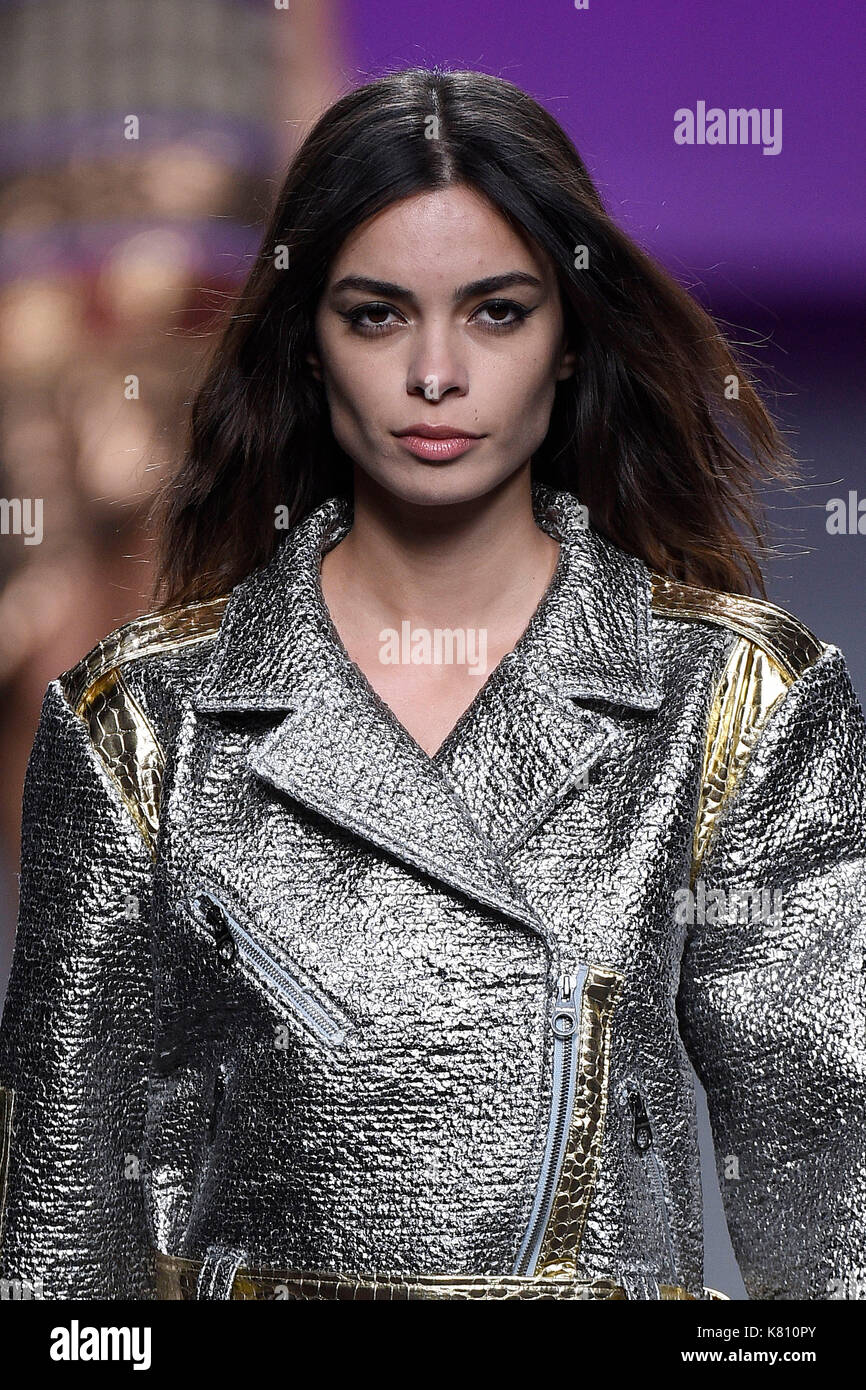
(141, 142)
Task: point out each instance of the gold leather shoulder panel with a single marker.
(120, 731)
(152, 632)
(774, 649)
(751, 685)
(782, 636)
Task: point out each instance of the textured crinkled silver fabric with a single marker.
(166, 1097)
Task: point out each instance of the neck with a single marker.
(479, 563)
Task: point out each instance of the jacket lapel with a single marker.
(341, 751)
(556, 704)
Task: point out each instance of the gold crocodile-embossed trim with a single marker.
(119, 729)
(124, 739)
(774, 649)
(7, 1100)
(152, 632)
(560, 1245)
(750, 687)
(177, 1278)
(782, 636)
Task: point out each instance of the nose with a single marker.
(437, 365)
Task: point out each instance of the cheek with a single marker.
(360, 399)
(527, 370)
(524, 386)
(353, 380)
(342, 362)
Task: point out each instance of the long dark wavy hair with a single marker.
(660, 432)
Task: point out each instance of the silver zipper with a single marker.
(644, 1141)
(565, 1024)
(230, 936)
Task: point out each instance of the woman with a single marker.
(378, 886)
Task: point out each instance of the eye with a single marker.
(508, 306)
(370, 319)
(355, 317)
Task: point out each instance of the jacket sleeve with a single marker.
(771, 998)
(76, 1033)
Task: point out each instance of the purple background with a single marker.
(791, 224)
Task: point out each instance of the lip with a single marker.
(435, 432)
(438, 450)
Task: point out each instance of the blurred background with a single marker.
(141, 143)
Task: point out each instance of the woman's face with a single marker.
(423, 342)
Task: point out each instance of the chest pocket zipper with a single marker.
(644, 1141)
(232, 939)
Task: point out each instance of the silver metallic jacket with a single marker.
(298, 1011)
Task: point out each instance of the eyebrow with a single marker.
(489, 285)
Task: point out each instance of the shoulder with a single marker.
(151, 634)
(126, 709)
(771, 650)
(781, 638)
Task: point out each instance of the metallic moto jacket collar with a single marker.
(342, 752)
(578, 643)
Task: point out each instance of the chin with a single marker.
(442, 484)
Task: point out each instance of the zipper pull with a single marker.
(642, 1135)
(563, 1014)
(213, 916)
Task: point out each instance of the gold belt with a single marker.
(178, 1278)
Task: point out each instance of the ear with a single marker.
(567, 363)
(315, 365)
